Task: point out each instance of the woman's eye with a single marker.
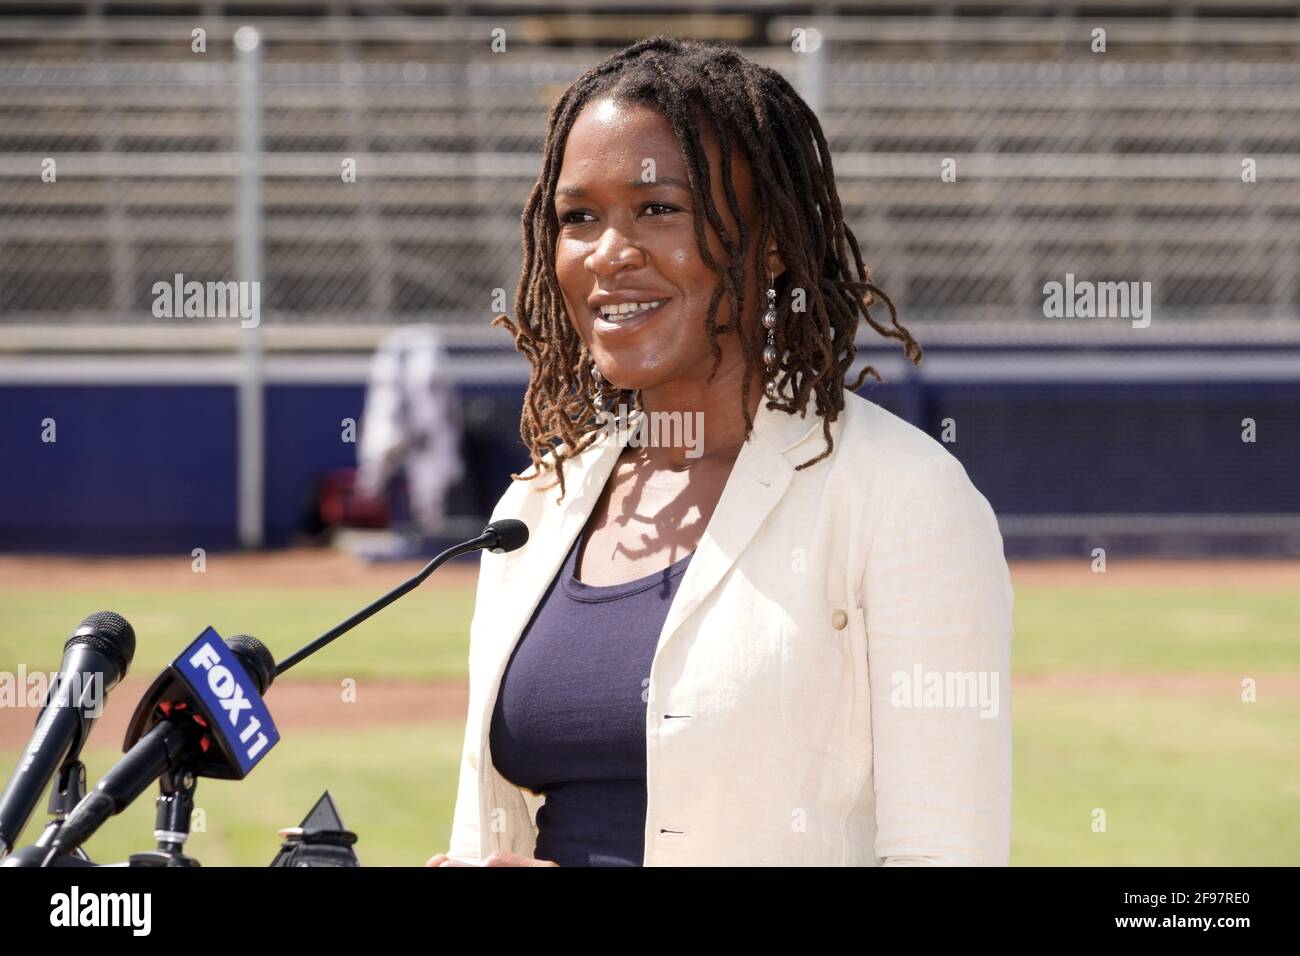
(569, 217)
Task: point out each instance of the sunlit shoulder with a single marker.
(868, 431)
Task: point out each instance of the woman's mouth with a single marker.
(627, 317)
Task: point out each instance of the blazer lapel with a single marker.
(758, 480)
(552, 530)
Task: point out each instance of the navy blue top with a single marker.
(569, 719)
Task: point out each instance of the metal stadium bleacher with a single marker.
(1123, 165)
(1086, 163)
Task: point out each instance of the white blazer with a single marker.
(832, 683)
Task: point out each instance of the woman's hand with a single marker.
(500, 858)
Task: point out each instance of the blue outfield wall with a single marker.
(151, 468)
(1168, 448)
(305, 440)
(133, 468)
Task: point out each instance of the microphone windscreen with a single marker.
(257, 660)
(108, 633)
(511, 533)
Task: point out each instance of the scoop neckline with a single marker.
(581, 591)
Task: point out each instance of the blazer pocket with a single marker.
(824, 689)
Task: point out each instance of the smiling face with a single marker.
(623, 239)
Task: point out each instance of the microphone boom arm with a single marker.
(488, 539)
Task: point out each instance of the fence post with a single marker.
(248, 265)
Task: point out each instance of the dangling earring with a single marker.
(599, 398)
(769, 351)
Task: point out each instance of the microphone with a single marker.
(511, 535)
(191, 716)
(180, 720)
(508, 534)
(95, 659)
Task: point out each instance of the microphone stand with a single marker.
(175, 805)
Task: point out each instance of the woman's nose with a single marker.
(614, 253)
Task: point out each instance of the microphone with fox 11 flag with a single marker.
(202, 717)
(176, 732)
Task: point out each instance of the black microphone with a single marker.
(511, 535)
(95, 659)
(163, 746)
(182, 734)
(508, 534)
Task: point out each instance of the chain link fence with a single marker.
(390, 187)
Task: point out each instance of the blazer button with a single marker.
(839, 620)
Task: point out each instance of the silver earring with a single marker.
(599, 398)
(769, 351)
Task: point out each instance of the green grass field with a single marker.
(424, 636)
(1193, 777)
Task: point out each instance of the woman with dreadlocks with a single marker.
(782, 638)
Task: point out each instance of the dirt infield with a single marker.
(296, 705)
(1236, 574)
(296, 567)
(312, 567)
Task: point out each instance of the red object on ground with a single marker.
(341, 505)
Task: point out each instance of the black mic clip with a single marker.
(68, 790)
(174, 808)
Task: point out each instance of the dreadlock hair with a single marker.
(753, 106)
